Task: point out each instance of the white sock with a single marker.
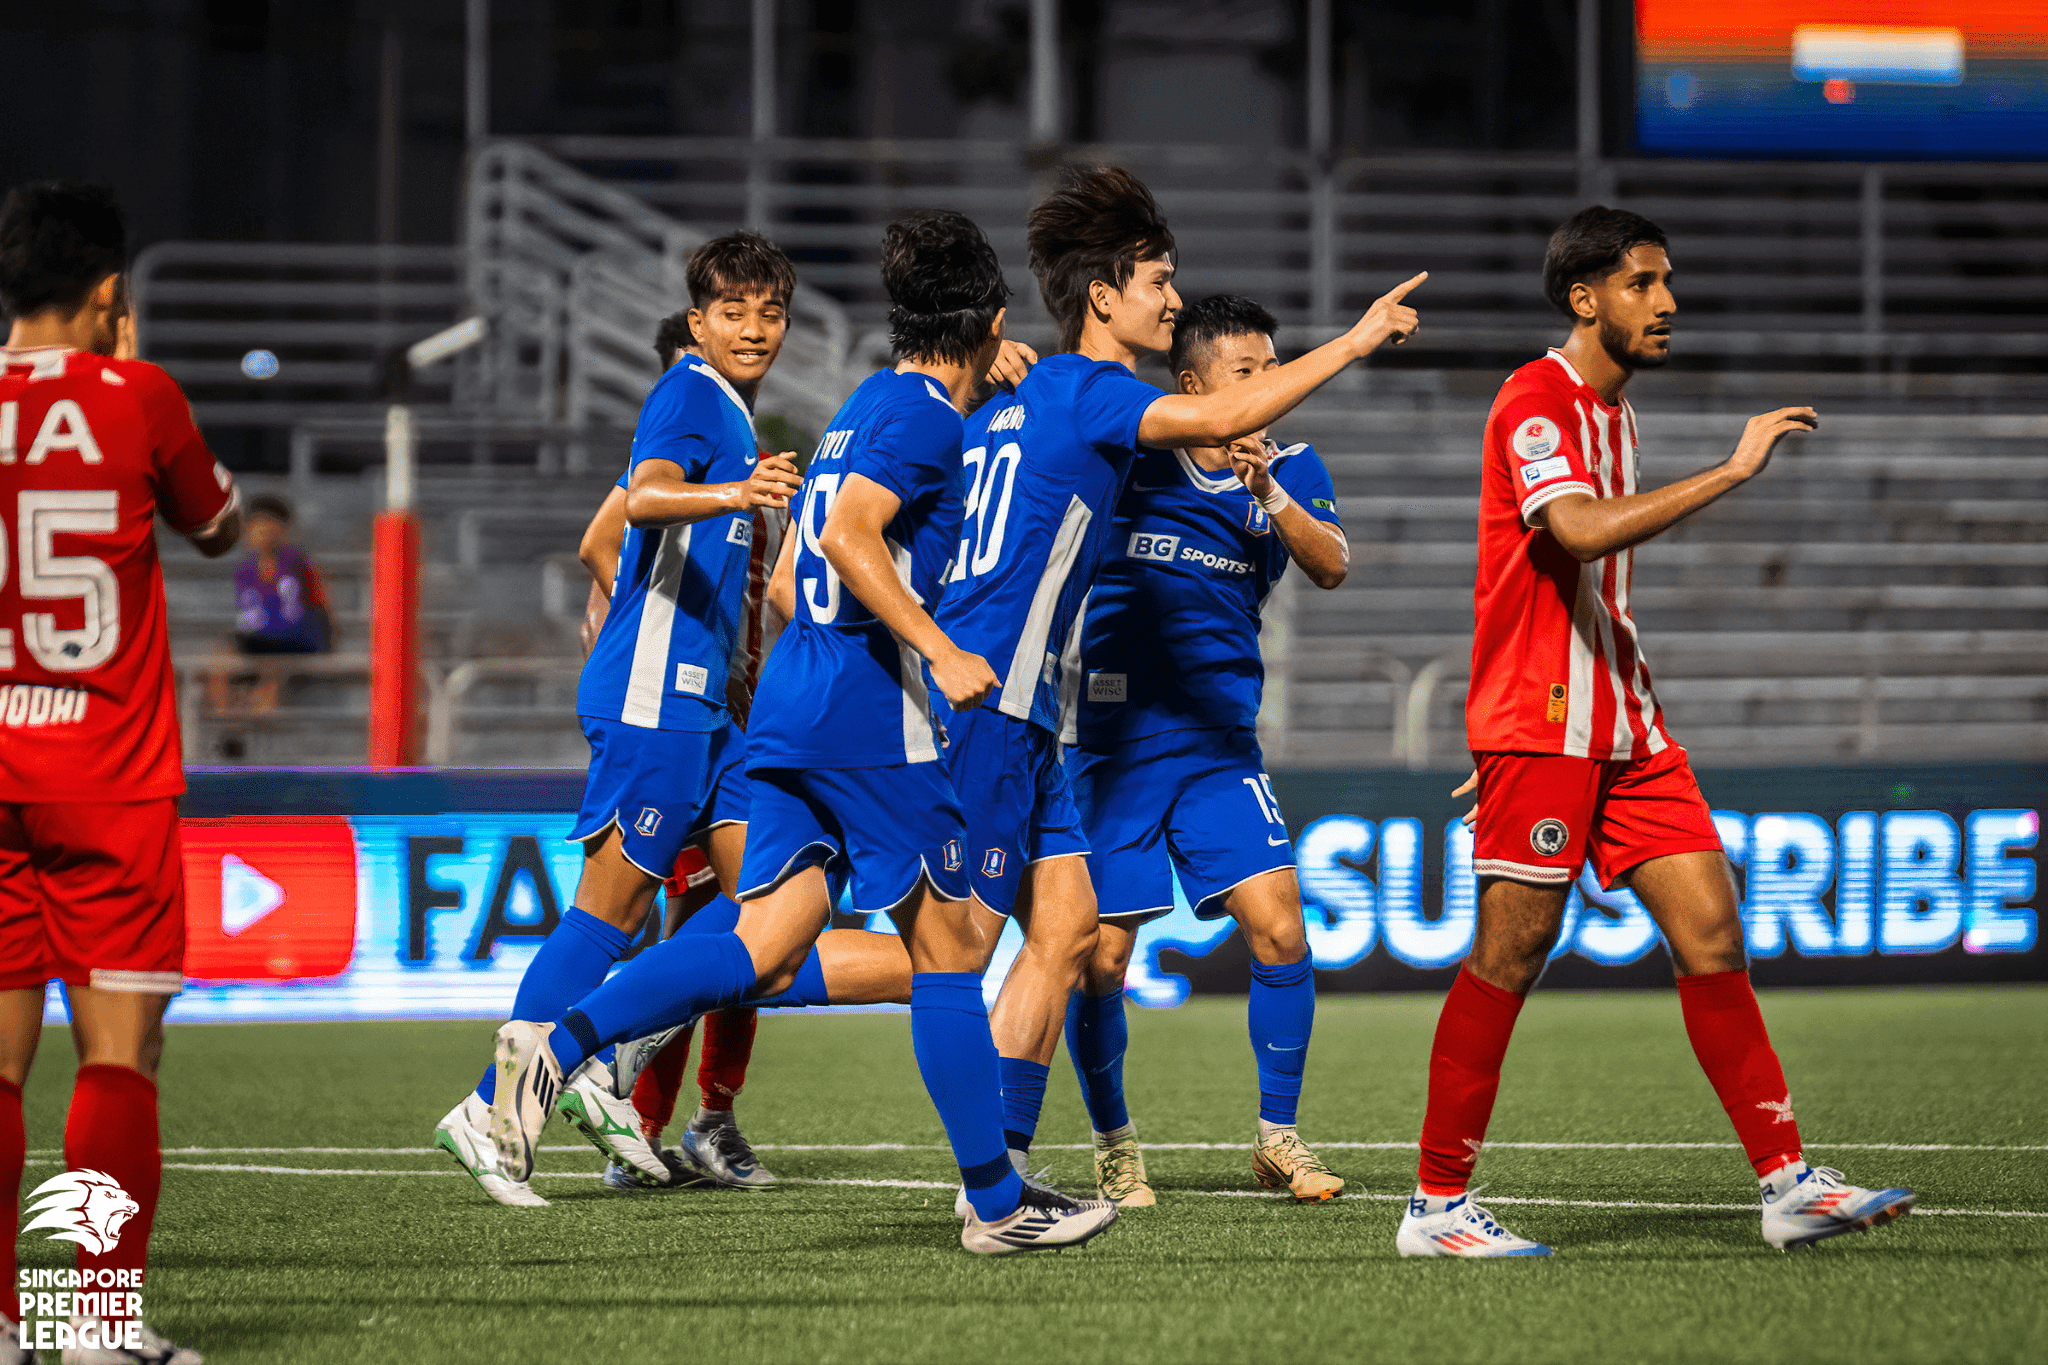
(1437, 1203)
(1267, 1130)
(1115, 1135)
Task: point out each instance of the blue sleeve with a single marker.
(1109, 404)
(910, 451)
(625, 477)
(1307, 480)
(680, 422)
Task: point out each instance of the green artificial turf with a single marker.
(258, 1266)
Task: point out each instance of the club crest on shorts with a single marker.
(649, 821)
(992, 864)
(952, 855)
(1549, 837)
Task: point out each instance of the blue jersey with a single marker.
(1043, 470)
(840, 690)
(661, 660)
(1171, 640)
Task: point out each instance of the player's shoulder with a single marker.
(1548, 377)
(1071, 372)
(1299, 456)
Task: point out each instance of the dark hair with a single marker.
(671, 337)
(1214, 318)
(946, 283)
(272, 506)
(1097, 225)
(1590, 246)
(739, 262)
(58, 240)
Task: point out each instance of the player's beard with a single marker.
(1630, 349)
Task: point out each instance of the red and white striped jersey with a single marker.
(1556, 665)
(759, 625)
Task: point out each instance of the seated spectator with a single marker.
(280, 602)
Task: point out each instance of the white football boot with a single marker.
(1452, 1225)
(465, 1134)
(1033, 1180)
(610, 1124)
(1807, 1204)
(1045, 1220)
(529, 1078)
(713, 1146)
(154, 1349)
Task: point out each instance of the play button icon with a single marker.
(246, 895)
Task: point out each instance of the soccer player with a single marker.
(1572, 754)
(844, 753)
(1045, 469)
(666, 763)
(1166, 770)
(92, 450)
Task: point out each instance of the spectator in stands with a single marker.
(280, 608)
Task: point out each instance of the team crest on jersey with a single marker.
(1257, 521)
(1536, 439)
(992, 863)
(649, 821)
(952, 855)
(1549, 837)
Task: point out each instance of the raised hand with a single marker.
(1388, 317)
(1762, 435)
(965, 678)
(1013, 361)
(774, 482)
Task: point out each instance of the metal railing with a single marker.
(1883, 262)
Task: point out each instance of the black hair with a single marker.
(946, 283)
(1591, 246)
(272, 506)
(671, 336)
(1097, 225)
(58, 240)
(737, 263)
(1214, 318)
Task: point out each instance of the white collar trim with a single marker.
(1202, 478)
(1558, 356)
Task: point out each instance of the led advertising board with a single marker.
(344, 896)
(1855, 79)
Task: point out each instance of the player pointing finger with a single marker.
(1389, 317)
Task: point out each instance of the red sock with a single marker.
(112, 1128)
(1727, 1033)
(13, 1156)
(1464, 1075)
(728, 1047)
(654, 1094)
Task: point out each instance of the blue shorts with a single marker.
(664, 789)
(1198, 801)
(883, 829)
(1019, 807)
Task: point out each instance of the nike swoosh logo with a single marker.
(1275, 1047)
(748, 460)
(1271, 842)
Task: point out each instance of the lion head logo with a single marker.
(86, 1207)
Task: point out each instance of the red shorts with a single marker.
(692, 869)
(93, 894)
(1541, 816)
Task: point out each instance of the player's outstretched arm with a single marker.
(660, 493)
(1590, 528)
(218, 536)
(852, 544)
(1318, 547)
(1217, 419)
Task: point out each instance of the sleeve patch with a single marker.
(1535, 472)
(1327, 504)
(1536, 439)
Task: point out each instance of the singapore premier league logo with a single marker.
(86, 1207)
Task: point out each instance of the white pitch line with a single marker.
(1149, 1146)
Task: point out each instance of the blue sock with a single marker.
(807, 989)
(671, 983)
(1097, 1035)
(571, 960)
(957, 1057)
(1023, 1097)
(1282, 1015)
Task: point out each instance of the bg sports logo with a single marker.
(1152, 546)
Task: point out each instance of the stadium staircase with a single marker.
(1881, 595)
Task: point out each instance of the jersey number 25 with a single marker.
(42, 515)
